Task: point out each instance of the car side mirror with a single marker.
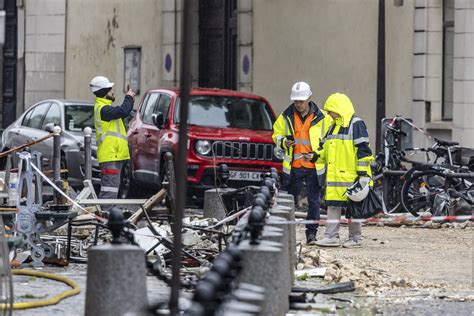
(158, 119)
(49, 127)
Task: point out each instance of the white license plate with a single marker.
(245, 175)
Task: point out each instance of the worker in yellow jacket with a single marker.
(298, 131)
(347, 156)
(111, 136)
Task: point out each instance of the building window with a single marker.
(131, 72)
(448, 58)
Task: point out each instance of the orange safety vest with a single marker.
(302, 142)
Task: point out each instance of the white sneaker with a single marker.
(351, 243)
(328, 242)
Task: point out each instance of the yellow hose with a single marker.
(51, 301)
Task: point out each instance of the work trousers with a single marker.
(298, 175)
(285, 182)
(332, 229)
(110, 181)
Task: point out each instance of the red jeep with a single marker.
(225, 126)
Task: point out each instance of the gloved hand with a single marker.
(310, 156)
(289, 141)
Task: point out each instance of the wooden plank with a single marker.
(111, 201)
(150, 203)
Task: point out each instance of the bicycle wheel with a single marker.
(425, 191)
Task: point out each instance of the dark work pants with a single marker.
(285, 185)
(298, 175)
(110, 181)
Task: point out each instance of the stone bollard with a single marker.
(285, 195)
(235, 307)
(260, 266)
(213, 203)
(287, 214)
(279, 233)
(249, 296)
(116, 280)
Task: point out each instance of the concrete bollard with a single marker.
(279, 233)
(285, 195)
(213, 204)
(287, 213)
(235, 307)
(116, 281)
(260, 265)
(248, 296)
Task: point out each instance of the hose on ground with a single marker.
(75, 289)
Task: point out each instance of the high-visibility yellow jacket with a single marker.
(111, 136)
(284, 126)
(346, 150)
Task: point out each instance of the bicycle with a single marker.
(442, 187)
(389, 166)
(439, 189)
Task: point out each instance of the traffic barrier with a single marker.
(264, 260)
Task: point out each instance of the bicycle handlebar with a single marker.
(396, 130)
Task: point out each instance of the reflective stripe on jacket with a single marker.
(346, 150)
(111, 136)
(284, 126)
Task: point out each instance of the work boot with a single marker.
(310, 239)
(351, 243)
(328, 242)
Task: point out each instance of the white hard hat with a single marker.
(359, 190)
(300, 91)
(100, 82)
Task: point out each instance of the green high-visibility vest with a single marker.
(111, 136)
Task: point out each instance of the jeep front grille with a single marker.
(242, 150)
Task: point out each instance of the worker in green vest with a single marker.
(111, 136)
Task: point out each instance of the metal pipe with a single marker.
(57, 161)
(87, 153)
(380, 108)
(181, 174)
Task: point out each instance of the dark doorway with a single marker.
(218, 44)
(9, 63)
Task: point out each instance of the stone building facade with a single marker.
(266, 45)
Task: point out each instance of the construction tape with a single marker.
(377, 220)
(230, 218)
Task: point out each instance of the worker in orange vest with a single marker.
(299, 131)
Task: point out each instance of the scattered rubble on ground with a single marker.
(388, 270)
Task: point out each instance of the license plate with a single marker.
(245, 175)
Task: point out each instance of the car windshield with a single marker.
(224, 111)
(78, 117)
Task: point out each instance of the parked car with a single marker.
(224, 127)
(39, 120)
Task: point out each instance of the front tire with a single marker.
(425, 192)
(128, 187)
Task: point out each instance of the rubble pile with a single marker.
(403, 222)
(372, 281)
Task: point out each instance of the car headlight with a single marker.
(279, 153)
(203, 147)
